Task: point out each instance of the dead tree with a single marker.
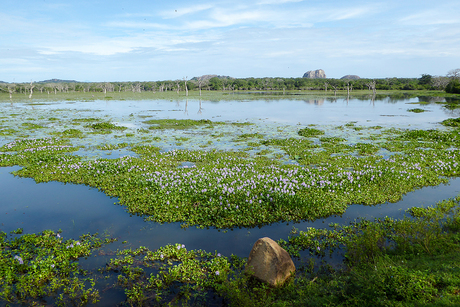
(335, 89)
(11, 88)
(200, 82)
(454, 73)
(136, 88)
(371, 86)
(440, 83)
(186, 89)
(31, 89)
(325, 86)
(178, 85)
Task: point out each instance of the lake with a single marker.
(78, 209)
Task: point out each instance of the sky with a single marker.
(118, 40)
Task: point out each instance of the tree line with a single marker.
(449, 83)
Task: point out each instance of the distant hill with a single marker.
(57, 81)
(207, 77)
(351, 77)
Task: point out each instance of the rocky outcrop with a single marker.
(270, 262)
(315, 74)
(351, 77)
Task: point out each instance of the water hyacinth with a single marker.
(226, 189)
(19, 259)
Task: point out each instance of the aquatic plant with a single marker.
(310, 132)
(44, 265)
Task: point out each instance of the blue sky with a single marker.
(99, 40)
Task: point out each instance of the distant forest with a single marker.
(224, 83)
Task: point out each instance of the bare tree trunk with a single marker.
(178, 86)
(335, 90)
(11, 90)
(186, 89)
(31, 89)
(200, 82)
(325, 86)
(371, 86)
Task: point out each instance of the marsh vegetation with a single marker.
(229, 165)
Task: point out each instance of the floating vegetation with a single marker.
(224, 189)
(310, 132)
(178, 123)
(112, 146)
(176, 270)
(451, 122)
(242, 124)
(416, 110)
(8, 131)
(86, 120)
(245, 136)
(41, 265)
(332, 139)
(31, 126)
(106, 126)
(72, 133)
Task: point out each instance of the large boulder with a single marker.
(270, 262)
(315, 74)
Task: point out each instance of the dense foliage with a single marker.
(228, 84)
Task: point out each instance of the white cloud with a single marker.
(432, 17)
(348, 13)
(181, 11)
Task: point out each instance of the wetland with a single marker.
(141, 201)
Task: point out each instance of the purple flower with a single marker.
(161, 256)
(217, 273)
(183, 245)
(19, 259)
(58, 235)
(218, 255)
(318, 248)
(52, 266)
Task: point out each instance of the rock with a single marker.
(270, 262)
(315, 74)
(351, 77)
